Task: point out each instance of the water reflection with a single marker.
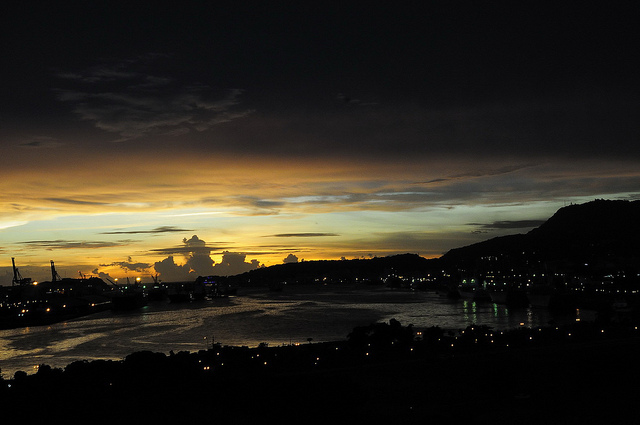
(323, 314)
(470, 311)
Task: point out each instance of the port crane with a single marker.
(17, 277)
(54, 274)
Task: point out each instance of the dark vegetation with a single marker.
(366, 271)
(384, 372)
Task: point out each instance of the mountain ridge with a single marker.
(601, 232)
(597, 230)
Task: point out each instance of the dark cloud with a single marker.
(120, 99)
(41, 142)
(303, 235)
(535, 128)
(66, 244)
(161, 229)
(73, 201)
(192, 246)
(129, 265)
(258, 206)
(509, 224)
(526, 77)
(482, 172)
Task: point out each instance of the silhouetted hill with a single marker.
(609, 225)
(603, 234)
(600, 232)
(336, 270)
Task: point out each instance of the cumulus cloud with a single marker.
(170, 271)
(198, 262)
(291, 258)
(234, 263)
(103, 275)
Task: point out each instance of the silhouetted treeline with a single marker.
(370, 270)
(380, 372)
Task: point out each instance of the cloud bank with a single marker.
(198, 262)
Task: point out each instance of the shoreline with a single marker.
(326, 313)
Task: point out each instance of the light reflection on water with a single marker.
(295, 315)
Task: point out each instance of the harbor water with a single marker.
(299, 314)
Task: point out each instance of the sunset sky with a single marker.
(189, 140)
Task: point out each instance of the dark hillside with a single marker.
(601, 231)
(336, 270)
(601, 235)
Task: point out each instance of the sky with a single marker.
(196, 138)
